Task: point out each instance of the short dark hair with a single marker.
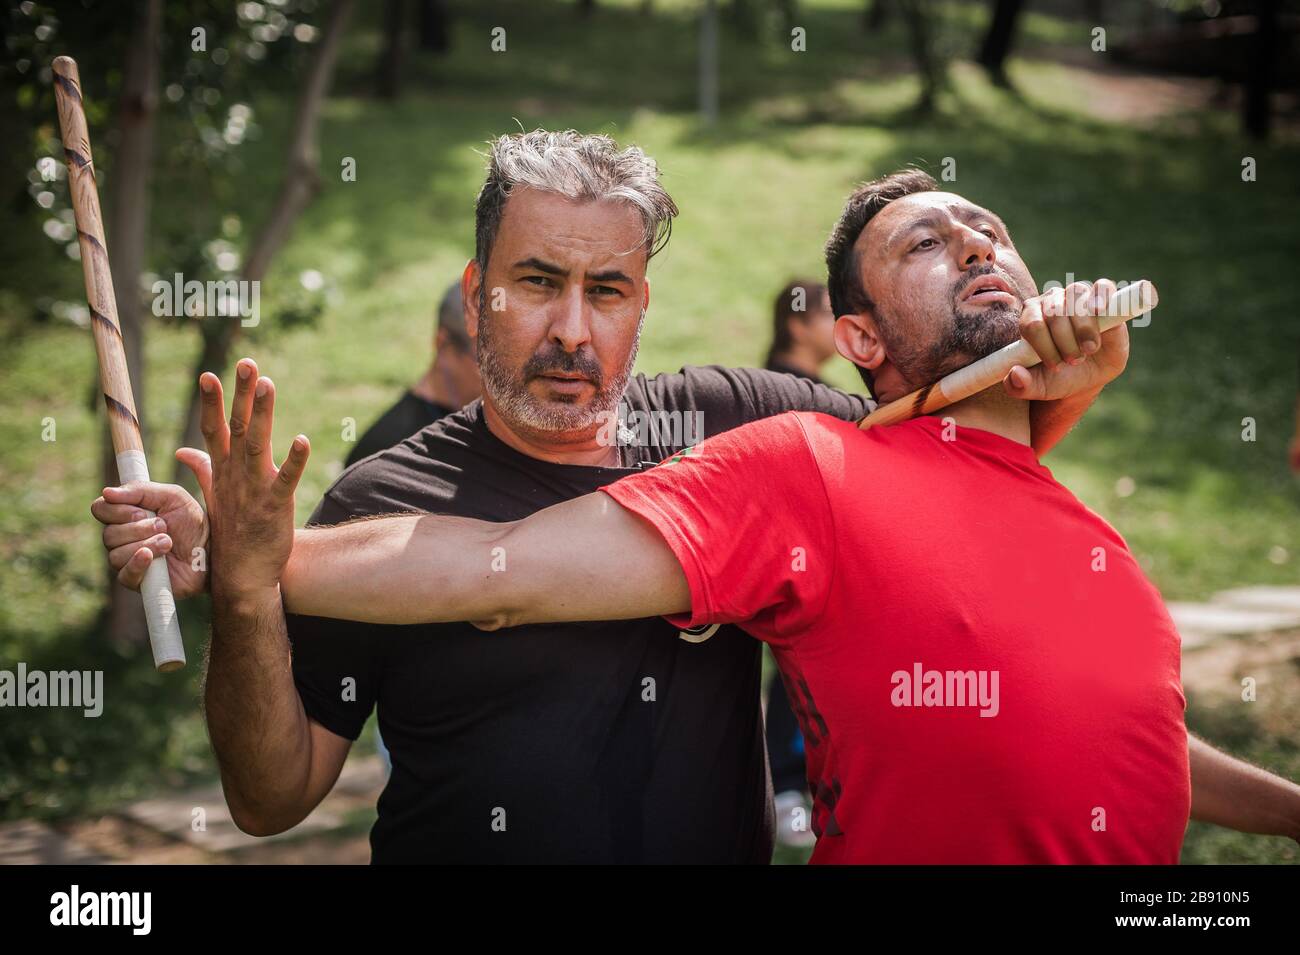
(783, 310)
(844, 279)
(451, 319)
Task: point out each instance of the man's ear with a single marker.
(858, 339)
(470, 280)
(645, 298)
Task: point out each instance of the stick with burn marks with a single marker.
(159, 605)
(1128, 303)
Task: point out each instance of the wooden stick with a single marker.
(159, 605)
(1129, 302)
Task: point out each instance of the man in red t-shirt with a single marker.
(982, 672)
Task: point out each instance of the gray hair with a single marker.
(451, 317)
(576, 166)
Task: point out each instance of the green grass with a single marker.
(758, 195)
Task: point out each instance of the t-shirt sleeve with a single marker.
(727, 398)
(335, 662)
(747, 516)
(775, 392)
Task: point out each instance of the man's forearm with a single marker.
(1050, 421)
(1236, 795)
(400, 569)
(584, 559)
(255, 717)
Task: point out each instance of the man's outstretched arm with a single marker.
(1237, 795)
(585, 559)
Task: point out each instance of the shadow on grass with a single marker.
(55, 761)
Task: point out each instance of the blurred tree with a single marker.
(388, 70)
(1257, 113)
(922, 29)
(999, 38)
(709, 63)
(435, 26)
(127, 235)
(432, 35)
(301, 183)
(875, 13)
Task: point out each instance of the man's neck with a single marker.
(438, 385)
(798, 358)
(557, 447)
(992, 410)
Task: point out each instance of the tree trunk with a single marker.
(127, 235)
(875, 14)
(435, 26)
(301, 183)
(388, 71)
(998, 39)
(709, 63)
(1258, 115)
(919, 15)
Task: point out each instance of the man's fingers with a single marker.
(154, 545)
(131, 572)
(257, 443)
(241, 407)
(147, 495)
(1062, 329)
(1103, 290)
(107, 512)
(291, 471)
(1033, 329)
(134, 532)
(212, 416)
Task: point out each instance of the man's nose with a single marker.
(976, 249)
(570, 321)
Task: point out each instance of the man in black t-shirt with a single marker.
(593, 742)
(451, 381)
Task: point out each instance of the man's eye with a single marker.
(990, 233)
(924, 245)
(605, 290)
(537, 280)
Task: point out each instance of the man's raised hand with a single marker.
(250, 500)
(1076, 356)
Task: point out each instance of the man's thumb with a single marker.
(1025, 383)
(198, 462)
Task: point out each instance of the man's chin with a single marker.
(561, 392)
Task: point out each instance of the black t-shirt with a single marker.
(624, 741)
(407, 416)
(775, 364)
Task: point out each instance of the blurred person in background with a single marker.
(803, 341)
(449, 383)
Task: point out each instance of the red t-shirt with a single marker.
(982, 672)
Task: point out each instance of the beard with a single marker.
(521, 409)
(967, 333)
